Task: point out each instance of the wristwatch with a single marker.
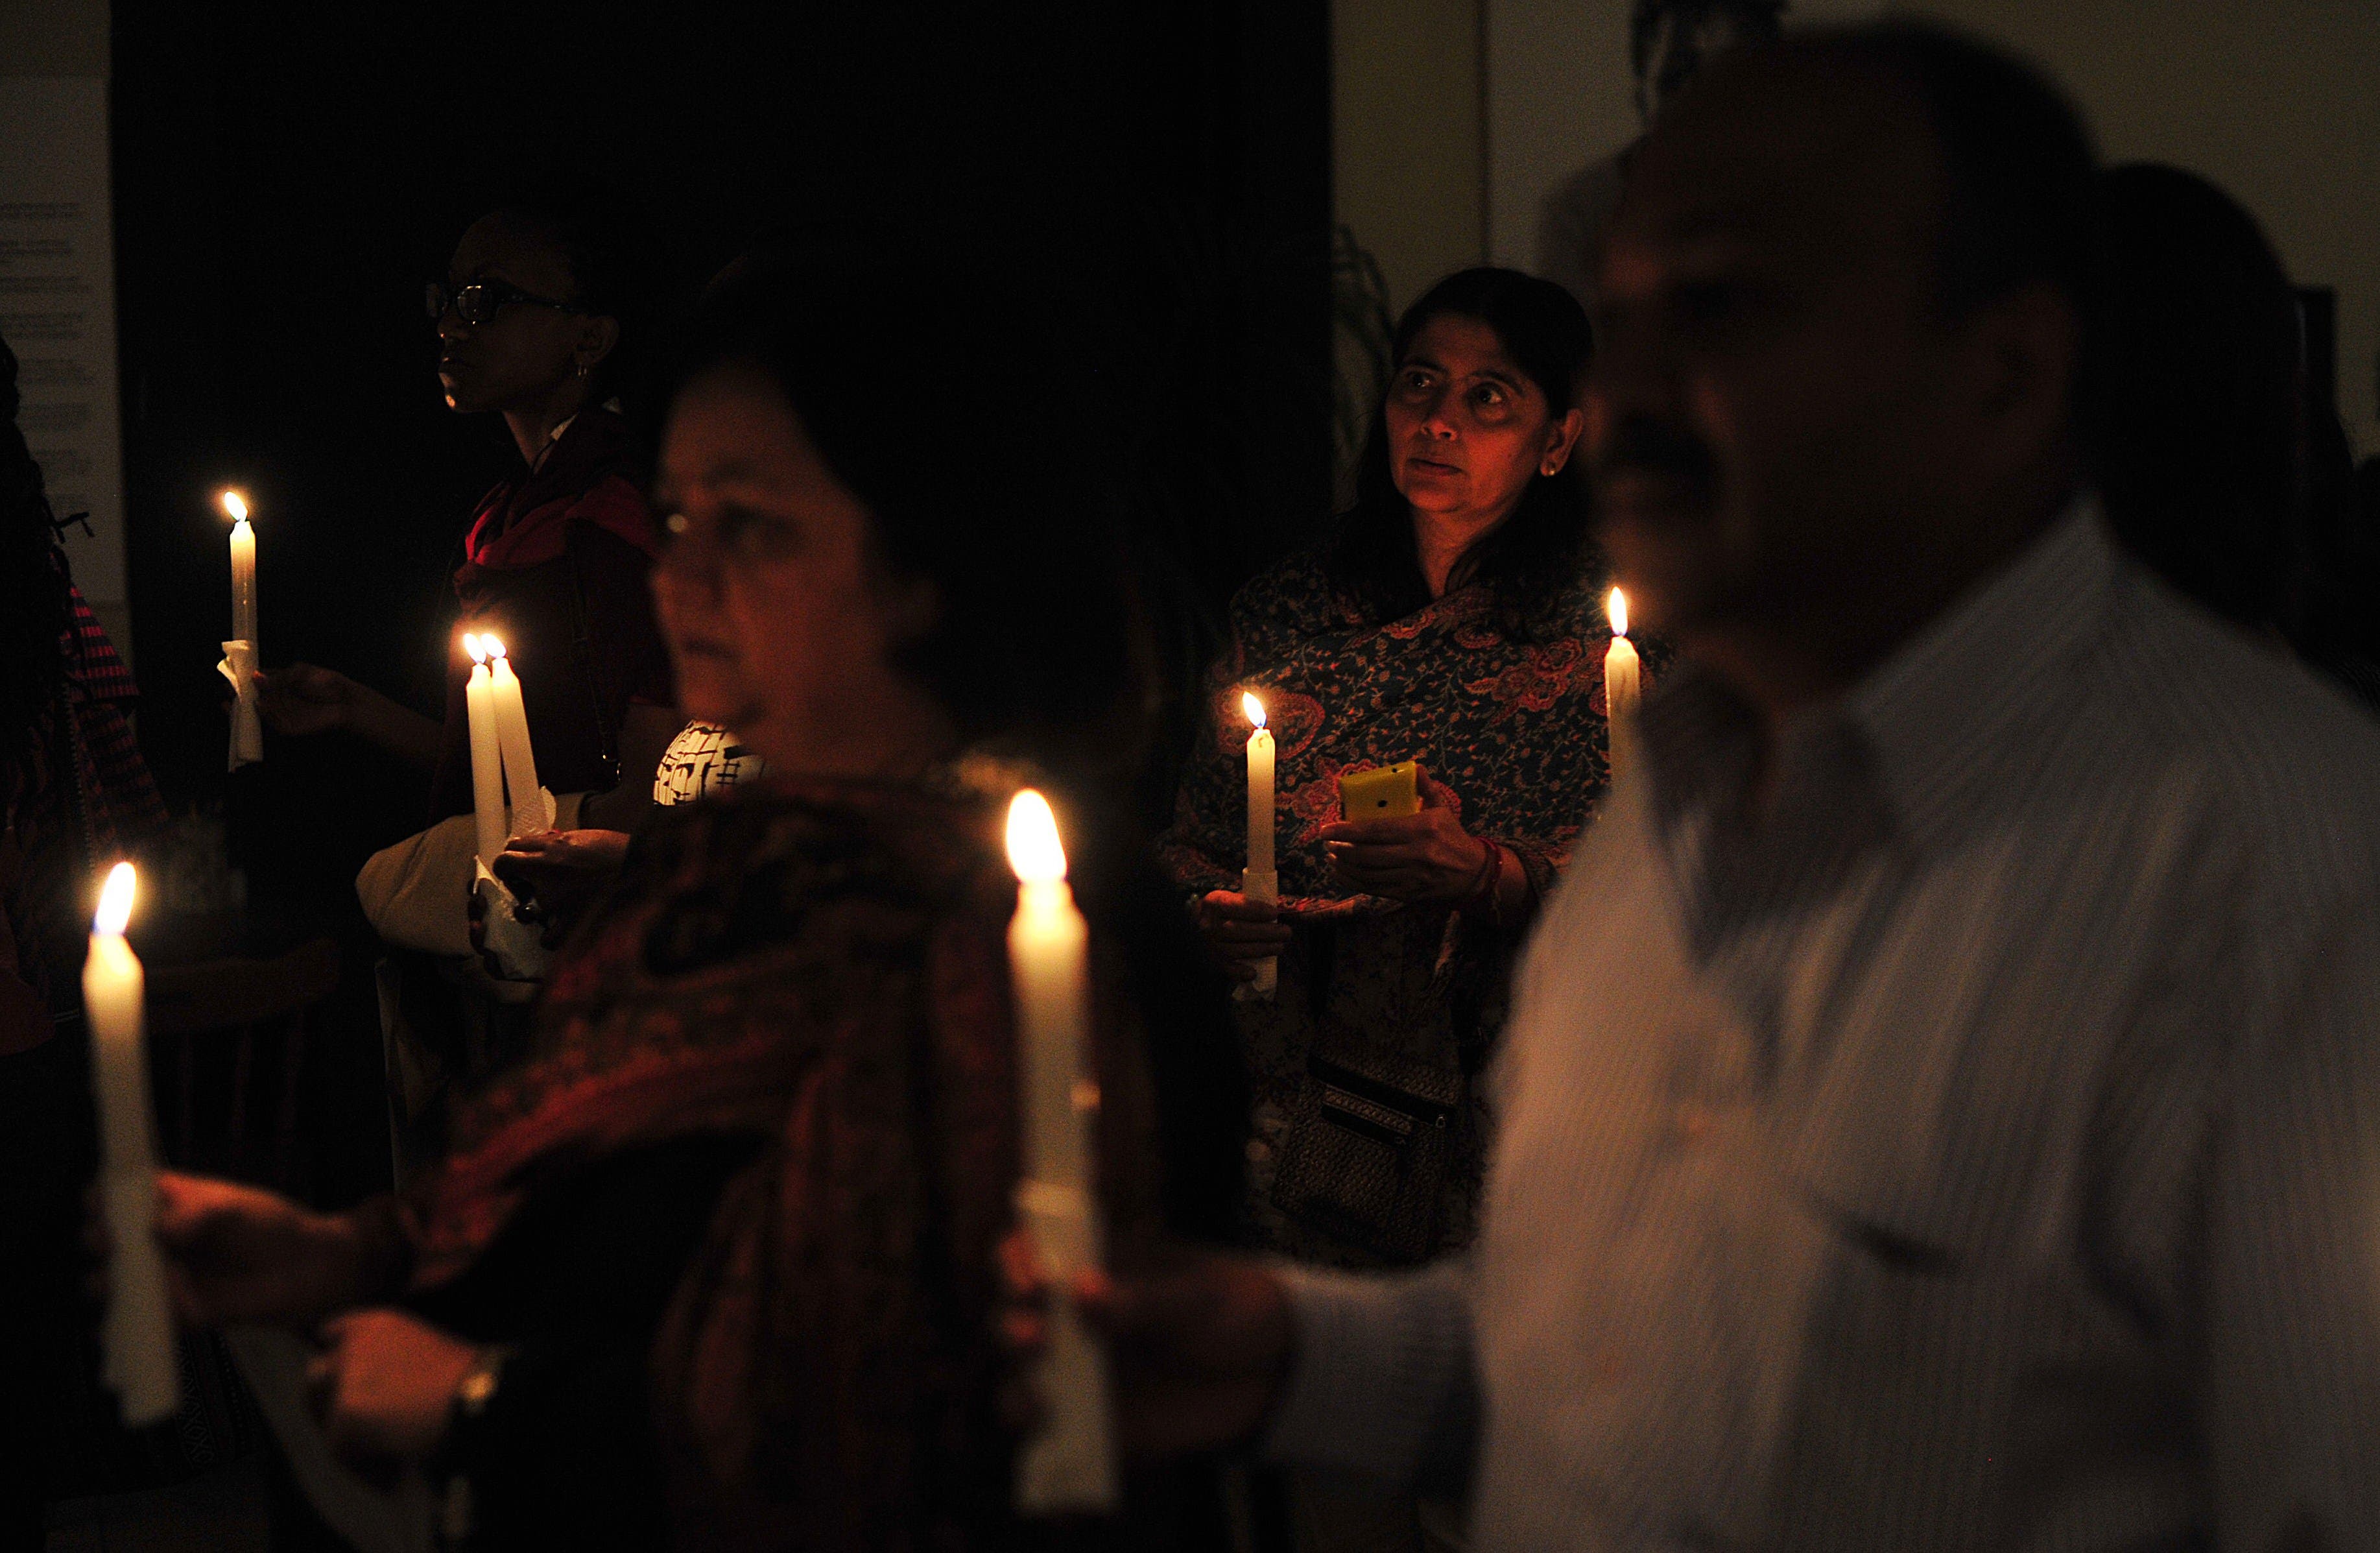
(478, 1387)
(473, 1395)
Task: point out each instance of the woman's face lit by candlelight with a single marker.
(525, 355)
(1468, 430)
(780, 623)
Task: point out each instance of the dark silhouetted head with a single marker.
(1839, 344)
(1668, 41)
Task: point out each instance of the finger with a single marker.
(1246, 911)
(1020, 1266)
(1374, 861)
(1023, 1333)
(182, 1217)
(1388, 882)
(321, 1384)
(1095, 1288)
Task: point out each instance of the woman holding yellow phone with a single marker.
(1432, 677)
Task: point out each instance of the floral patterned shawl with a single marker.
(1515, 729)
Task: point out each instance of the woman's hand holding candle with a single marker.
(239, 1254)
(302, 699)
(1243, 932)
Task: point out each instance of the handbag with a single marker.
(1375, 1136)
(1368, 1161)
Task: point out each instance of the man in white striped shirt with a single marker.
(1942, 1106)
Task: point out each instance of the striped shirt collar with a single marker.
(1932, 730)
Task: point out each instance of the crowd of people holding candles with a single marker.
(1884, 1054)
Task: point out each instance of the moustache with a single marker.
(1640, 445)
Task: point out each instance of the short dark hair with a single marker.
(1535, 556)
(2017, 161)
(601, 239)
(608, 248)
(1034, 649)
(1757, 21)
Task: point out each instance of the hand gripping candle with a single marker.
(239, 660)
(532, 806)
(487, 770)
(1623, 687)
(1260, 881)
(139, 1334)
(1068, 1466)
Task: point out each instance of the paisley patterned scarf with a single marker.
(821, 965)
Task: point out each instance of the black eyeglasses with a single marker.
(479, 303)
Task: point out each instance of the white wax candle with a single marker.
(487, 770)
(243, 570)
(1069, 1466)
(1261, 881)
(512, 738)
(139, 1334)
(1260, 752)
(1623, 687)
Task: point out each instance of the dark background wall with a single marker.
(288, 176)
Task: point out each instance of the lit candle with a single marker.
(487, 770)
(1260, 881)
(1068, 1466)
(239, 660)
(139, 1324)
(1623, 687)
(243, 568)
(530, 812)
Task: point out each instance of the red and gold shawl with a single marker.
(822, 964)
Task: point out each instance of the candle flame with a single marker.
(1253, 707)
(1617, 608)
(496, 649)
(471, 646)
(1034, 850)
(115, 902)
(235, 507)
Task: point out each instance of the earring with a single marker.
(586, 371)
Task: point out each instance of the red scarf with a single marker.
(589, 475)
(822, 965)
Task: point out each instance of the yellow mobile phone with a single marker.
(1384, 792)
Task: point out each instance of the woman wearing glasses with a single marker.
(555, 559)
